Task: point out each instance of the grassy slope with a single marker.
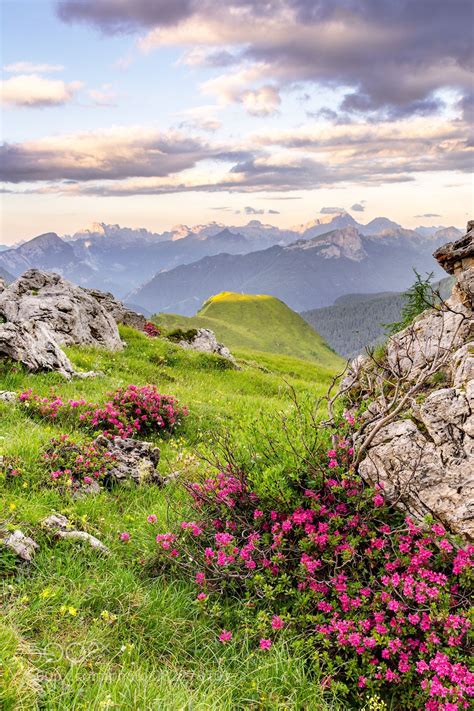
(257, 322)
(160, 653)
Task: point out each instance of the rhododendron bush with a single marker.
(74, 464)
(129, 411)
(377, 603)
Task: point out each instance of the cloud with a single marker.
(273, 212)
(331, 210)
(261, 102)
(32, 68)
(253, 211)
(32, 90)
(357, 207)
(142, 160)
(203, 57)
(369, 151)
(114, 154)
(201, 118)
(116, 16)
(428, 214)
(105, 96)
(392, 56)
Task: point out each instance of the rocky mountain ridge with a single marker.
(122, 259)
(306, 274)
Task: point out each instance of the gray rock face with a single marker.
(118, 310)
(59, 527)
(418, 435)
(206, 342)
(21, 545)
(458, 256)
(33, 344)
(134, 460)
(72, 315)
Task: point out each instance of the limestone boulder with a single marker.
(205, 341)
(417, 436)
(118, 310)
(67, 310)
(134, 461)
(33, 344)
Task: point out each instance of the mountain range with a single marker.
(305, 274)
(308, 266)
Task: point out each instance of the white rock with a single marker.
(23, 546)
(33, 344)
(206, 342)
(59, 527)
(71, 314)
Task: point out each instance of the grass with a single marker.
(81, 631)
(257, 322)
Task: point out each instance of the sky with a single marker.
(152, 113)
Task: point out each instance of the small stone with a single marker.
(59, 527)
(8, 396)
(205, 341)
(23, 546)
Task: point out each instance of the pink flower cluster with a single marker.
(129, 411)
(151, 330)
(371, 589)
(136, 409)
(74, 464)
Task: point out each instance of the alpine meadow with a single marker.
(236, 355)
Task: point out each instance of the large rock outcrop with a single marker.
(70, 312)
(41, 311)
(119, 312)
(417, 437)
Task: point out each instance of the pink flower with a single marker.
(124, 536)
(362, 682)
(277, 622)
(225, 636)
(202, 596)
(257, 513)
(333, 464)
(265, 643)
(200, 578)
(332, 453)
(152, 518)
(378, 500)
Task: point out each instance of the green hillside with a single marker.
(257, 322)
(83, 631)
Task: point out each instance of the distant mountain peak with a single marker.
(326, 223)
(378, 225)
(344, 242)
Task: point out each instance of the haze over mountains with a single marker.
(308, 266)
